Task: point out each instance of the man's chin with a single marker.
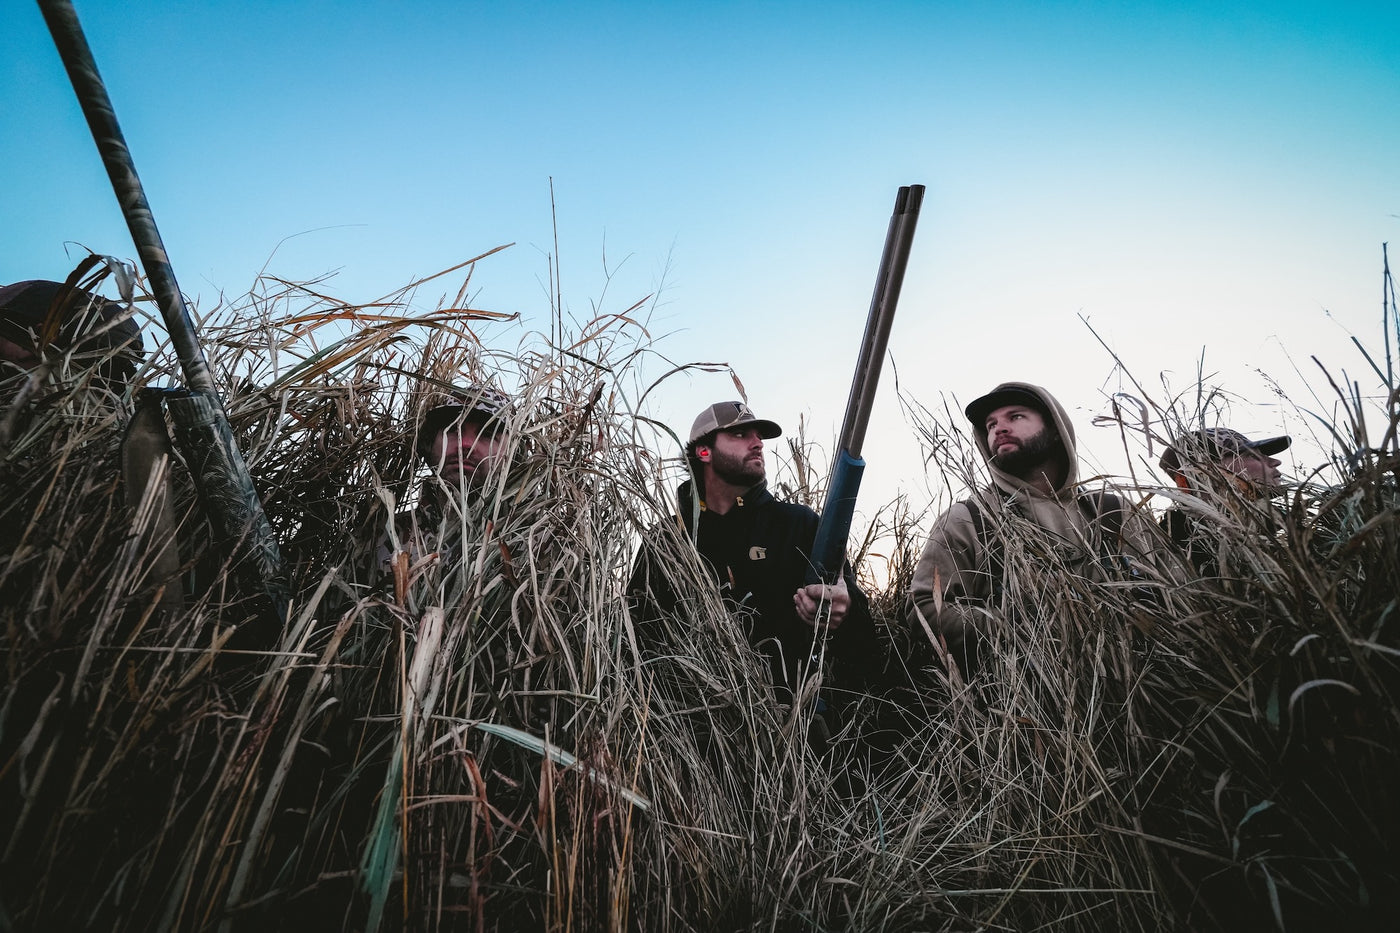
(743, 478)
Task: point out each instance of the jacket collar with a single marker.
(755, 495)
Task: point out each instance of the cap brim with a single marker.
(1170, 461)
(443, 415)
(1272, 445)
(978, 410)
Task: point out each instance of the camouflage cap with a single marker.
(1216, 444)
(478, 403)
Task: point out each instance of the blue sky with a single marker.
(1191, 178)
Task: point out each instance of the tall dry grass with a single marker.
(474, 735)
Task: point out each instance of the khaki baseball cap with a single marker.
(721, 416)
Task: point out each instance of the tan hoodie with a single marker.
(955, 562)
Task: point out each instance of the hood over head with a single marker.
(1032, 396)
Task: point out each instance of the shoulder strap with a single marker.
(1106, 510)
(979, 524)
(147, 457)
(996, 563)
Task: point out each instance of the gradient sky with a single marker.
(1192, 178)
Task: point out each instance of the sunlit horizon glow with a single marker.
(1201, 182)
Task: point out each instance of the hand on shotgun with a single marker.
(828, 601)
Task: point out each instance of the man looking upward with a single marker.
(1034, 501)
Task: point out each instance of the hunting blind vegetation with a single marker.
(459, 726)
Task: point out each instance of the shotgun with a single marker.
(829, 546)
(201, 422)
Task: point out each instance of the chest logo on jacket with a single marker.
(758, 553)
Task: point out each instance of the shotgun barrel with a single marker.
(829, 547)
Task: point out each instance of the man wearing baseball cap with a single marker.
(1227, 468)
(1028, 442)
(461, 437)
(1225, 453)
(758, 551)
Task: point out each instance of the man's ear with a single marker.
(702, 454)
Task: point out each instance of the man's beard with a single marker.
(1031, 453)
(736, 471)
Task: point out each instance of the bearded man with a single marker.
(1237, 476)
(1028, 442)
(758, 552)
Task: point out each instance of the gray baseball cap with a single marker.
(721, 416)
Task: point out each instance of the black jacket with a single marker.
(1192, 540)
(758, 554)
